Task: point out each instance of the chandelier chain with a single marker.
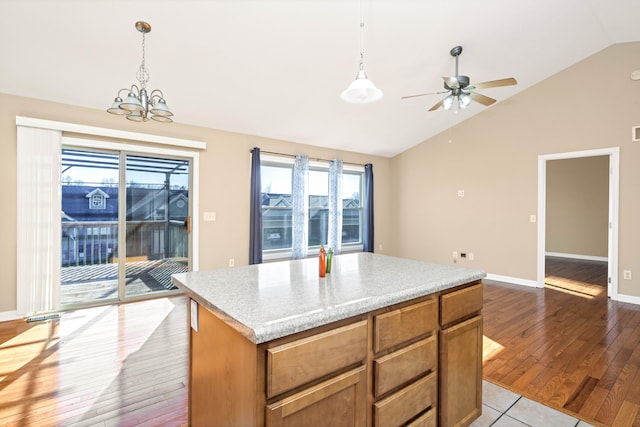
(143, 73)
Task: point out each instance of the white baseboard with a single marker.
(513, 280)
(629, 299)
(6, 316)
(577, 256)
(532, 283)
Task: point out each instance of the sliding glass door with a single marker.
(125, 225)
(157, 223)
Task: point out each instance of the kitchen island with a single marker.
(379, 341)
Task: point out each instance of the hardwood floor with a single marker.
(120, 365)
(566, 346)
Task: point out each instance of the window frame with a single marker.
(319, 165)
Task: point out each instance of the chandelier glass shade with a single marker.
(139, 105)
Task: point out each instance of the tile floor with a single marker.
(504, 408)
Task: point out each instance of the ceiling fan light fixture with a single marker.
(464, 100)
(447, 103)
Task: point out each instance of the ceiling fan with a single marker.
(461, 91)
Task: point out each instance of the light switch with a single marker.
(209, 216)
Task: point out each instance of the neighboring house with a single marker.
(277, 220)
(90, 221)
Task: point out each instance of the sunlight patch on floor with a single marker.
(490, 348)
(573, 287)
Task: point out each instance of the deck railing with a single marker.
(96, 242)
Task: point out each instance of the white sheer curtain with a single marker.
(38, 225)
(300, 202)
(334, 240)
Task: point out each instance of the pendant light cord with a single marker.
(361, 34)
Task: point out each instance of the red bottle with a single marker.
(323, 261)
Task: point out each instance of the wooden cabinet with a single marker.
(417, 364)
(461, 357)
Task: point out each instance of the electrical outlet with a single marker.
(380, 247)
(455, 254)
(232, 262)
(626, 274)
(532, 218)
(470, 257)
(460, 193)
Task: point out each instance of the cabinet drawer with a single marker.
(405, 404)
(405, 364)
(428, 419)
(459, 304)
(339, 401)
(404, 324)
(296, 363)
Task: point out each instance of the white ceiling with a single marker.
(275, 68)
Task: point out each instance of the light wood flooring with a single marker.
(120, 365)
(566, 346)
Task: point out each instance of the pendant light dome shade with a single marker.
(361, 90)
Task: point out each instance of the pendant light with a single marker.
(361, 90)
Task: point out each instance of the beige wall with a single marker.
(224, 181)
(577, 214)
(493, 157)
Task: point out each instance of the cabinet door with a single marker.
(461, 373)
(338, 402)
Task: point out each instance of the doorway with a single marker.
(612, 231)
(125, 225)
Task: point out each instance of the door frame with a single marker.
(614, 183)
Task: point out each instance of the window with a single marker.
(276, 178)
(97, 199)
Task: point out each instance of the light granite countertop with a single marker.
(272, 300)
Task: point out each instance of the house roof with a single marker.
(276, 68)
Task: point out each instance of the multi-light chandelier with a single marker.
(139, 106)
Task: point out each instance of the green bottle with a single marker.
(329, 258)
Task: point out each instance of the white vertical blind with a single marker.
(39, 228)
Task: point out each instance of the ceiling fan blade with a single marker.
(496, 83)
(484, 100)
(452, 82)
(423, 94)
(437, 105)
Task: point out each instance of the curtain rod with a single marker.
(316, 159)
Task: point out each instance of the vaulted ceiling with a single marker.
(276, 68)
